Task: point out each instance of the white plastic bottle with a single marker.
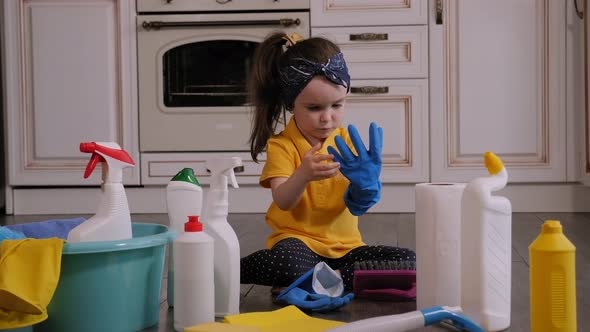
(486, 256)
(193, 280)
(112, 220)
(184, 197)
(227, 247)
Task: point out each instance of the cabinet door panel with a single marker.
(586, 118)
(159, 168)
(402, 112)
(208, 5)
(70, 69)
(345, 13)
(383, 52)
(497, 82)
(69, 94)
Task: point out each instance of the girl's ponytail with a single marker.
(264, 91)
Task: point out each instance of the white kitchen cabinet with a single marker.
(577, 92)
(69, 77)
(497, 82)
(400, 107)
(583, 81)
(388, 64)
(346, 13)
(382, 52)
(492, 76)
(158, 168)
(163, 6)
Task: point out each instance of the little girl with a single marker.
(317, 194)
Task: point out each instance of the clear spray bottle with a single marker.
(226, 246)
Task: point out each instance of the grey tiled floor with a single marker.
(398, 229)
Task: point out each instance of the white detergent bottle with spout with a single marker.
(486, 255)
(194, 284)
(112, 220)
(184, 197)
(226, 245)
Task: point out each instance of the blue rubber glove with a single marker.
(301, 294)
(363, 170)
(305, 300)
(359, 201)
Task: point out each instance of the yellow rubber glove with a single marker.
(29, 273)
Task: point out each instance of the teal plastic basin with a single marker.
(110, 285)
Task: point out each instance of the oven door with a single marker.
(192, 74)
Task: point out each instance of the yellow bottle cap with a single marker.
(493, 163)
(551, 227)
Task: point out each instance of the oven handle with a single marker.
(156, 25)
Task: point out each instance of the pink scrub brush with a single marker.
(385, 280)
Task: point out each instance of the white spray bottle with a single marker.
(486, 254)
(112, 220)
(226, 245)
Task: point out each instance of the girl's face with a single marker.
(319, 109)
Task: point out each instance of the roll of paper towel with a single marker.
(438, 244)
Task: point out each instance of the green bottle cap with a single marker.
(186, 175)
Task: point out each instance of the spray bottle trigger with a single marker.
(232, 177)
(94, 160)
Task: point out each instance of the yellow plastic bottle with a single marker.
(552, 280)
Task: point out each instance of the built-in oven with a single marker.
(193, 62)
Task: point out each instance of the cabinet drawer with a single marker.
(209, 5)
(382, 52)
(400, 107)
(159, 168)
(326, 13)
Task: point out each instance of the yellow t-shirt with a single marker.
(321, 219)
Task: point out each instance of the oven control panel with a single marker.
(150, 6)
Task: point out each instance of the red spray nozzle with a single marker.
(87, 147)
(100, 151)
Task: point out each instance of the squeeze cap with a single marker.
(551, 226)
(193, 224)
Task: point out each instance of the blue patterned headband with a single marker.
(295, 77)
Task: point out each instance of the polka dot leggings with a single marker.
(290, 258)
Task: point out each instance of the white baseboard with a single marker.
(253, 199)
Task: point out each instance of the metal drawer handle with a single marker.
(370, 90)
(578, 12)
(439, 12)
(369, 36)
(286, 22)
(237, 169)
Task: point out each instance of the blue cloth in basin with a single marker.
(59, 228)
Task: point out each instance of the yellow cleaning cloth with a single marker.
(287, 319)
(29, 272)
(220, 327)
